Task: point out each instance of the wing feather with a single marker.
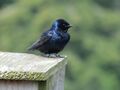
(44, 39)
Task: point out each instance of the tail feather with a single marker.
(30, 49)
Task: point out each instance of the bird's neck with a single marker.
(58, 30)
(55, 28)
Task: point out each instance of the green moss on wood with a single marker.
(42, 69)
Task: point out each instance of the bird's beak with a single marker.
(69, 26)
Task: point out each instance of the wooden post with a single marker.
(20, 71)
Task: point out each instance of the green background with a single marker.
(94, 50)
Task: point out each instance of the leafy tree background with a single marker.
(94, 50)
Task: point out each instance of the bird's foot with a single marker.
(60, 56)
(54, 55)
(50, 55)
(46, 55)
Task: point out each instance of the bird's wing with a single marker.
(44, 38)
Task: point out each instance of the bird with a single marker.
(52, 41)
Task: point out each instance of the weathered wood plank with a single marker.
(56, 82)
(18, 85)
(21, 71)
(21, 66)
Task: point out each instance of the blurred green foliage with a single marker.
(94, 50)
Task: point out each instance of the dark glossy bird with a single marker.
(54, 40)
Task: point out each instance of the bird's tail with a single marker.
(29, 50)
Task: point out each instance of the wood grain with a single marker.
(21, 66)
(21, 71)
(56, 82)
(18, 85)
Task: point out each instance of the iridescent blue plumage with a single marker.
(53, 40)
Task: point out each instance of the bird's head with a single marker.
(62, 25)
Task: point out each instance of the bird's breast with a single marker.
(59, 39)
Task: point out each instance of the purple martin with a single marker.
(54, 40)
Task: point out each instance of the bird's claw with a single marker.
(60, 56)
(54, 56)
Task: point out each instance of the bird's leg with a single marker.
(46, 55)
(53, 55)
(60, 56)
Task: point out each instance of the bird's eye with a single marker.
(63, 24)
